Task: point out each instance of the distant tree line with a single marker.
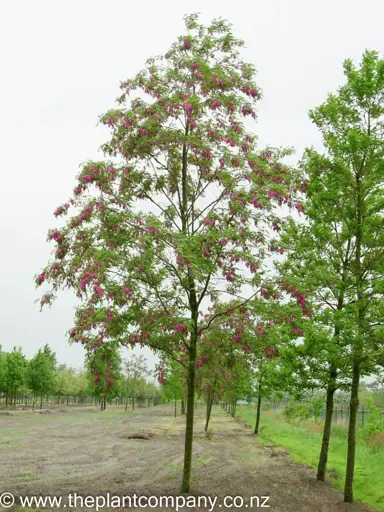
(42, 380)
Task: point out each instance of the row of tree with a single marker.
(40, 378)
(191, 240)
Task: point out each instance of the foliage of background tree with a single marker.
(135, 371)
(15, 367)
(41, 373)
(3, 385)
(173, 382)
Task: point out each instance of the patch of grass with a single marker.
(199, 459)
(26, 477)
(303, 441)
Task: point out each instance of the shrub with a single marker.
(316, 406)
(374, 426)
(296, 410)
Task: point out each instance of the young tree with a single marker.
(319, 256)
(136, 371)
(15, 365)
(181, 210)
(173, 382)
(3, 385)
(265, 373)
(104, 372)
(350, 183)
(41, 373)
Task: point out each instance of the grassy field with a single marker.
(303, 440)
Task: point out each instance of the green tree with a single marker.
(3, 385)
(136, 371)
(41, 373)
(71, 383)
(348, 179)
(15, 366)
(173, 382)
(375, 423)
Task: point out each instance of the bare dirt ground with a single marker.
(88, 452)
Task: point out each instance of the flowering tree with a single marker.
(104, 371)
(181, 211)
(239, 348)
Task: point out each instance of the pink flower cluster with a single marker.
(300, 297)
(180, 328)
(99, 291)
(127, 291)
(40, 279)
(253, 267)
(246, 111)
(271, 352)
(256, 203)
(206, 254)
(160, 376)
(182, 262)
(250, 91)
(230, 276)
(230, 142)
(61, 210)
(76, 222)
(209, 222)
(299, 207)
(56, 236)
(214, 104)
(133, 339)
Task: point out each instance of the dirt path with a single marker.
(90, 453)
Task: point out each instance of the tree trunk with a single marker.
(358, 345)
(233, 408)
(175, 407)
(190, 415)
(353, 408)
(322, 466)
(41, 402)
(182, 406)
(126, 404)
(133, 403)
(208, 416)
(256, 431)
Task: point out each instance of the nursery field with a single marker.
(303, 440)
(85, 451)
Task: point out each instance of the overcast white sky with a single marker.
(61, 63)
